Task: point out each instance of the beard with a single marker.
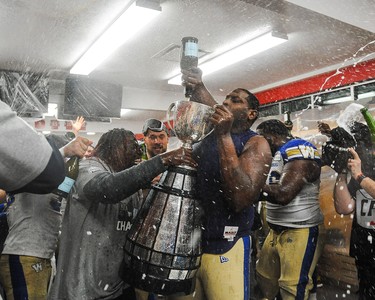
(157, 149)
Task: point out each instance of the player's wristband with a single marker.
(360, 177)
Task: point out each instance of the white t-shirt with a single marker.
(34, 221)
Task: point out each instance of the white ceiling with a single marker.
(50, 35)
(358, 13)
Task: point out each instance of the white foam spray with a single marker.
(350, 115)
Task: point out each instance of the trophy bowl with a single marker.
(191, 121)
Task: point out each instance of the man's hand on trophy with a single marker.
(180, 156)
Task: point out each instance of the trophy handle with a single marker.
(169, 111)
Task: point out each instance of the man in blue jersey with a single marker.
(293, 246)
(233, 163)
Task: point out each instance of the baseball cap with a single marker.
(154, 125)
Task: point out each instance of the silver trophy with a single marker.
(162, 252)
(191, 121)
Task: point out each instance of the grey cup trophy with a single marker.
(163, 251)
(191, 121)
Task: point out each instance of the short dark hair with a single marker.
(154, 125)
(274, 127)
(252, 100)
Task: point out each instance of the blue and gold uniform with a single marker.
(222, 226)
(294, 243)
(224, 271)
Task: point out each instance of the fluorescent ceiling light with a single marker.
(126, 26)
(250, 48)
(125, 111)
(338, 100)
(366, 95)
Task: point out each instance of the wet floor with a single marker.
(329, 292)
(325, 292)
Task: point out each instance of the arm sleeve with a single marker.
(353, 186)
(51, 176)
(109, 187)
(25, 155)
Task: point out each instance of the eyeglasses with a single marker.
(154, 125)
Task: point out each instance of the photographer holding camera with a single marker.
(358, 196)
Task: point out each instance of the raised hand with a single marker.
(191, 77)
(77, 125)
(354, 164)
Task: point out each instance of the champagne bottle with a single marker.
(70, 136)
(144, 151)
(71, 174)
(189, 58)
(370, 122)
(287, 121)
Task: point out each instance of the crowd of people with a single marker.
(236, 167)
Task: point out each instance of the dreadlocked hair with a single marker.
(112, 146)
